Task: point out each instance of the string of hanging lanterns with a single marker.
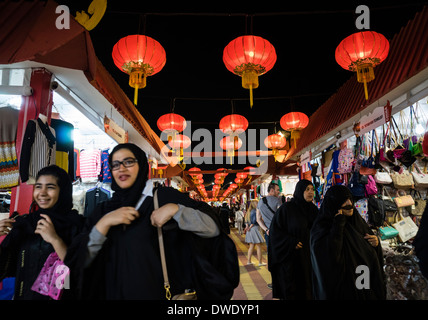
(249, 57)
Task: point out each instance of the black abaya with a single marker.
(290, 267)
(338, 247)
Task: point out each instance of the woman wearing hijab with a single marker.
(118, 256)
(346, 256)
(289, 249)
(49, 227)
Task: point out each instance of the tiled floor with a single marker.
(254, 279)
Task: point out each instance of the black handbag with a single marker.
(376, 211)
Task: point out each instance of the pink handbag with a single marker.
(50, 281)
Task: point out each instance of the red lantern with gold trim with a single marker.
(233, 124)
(294, 122)
(361, 52)
(139, 56)
(171, 124)
(249, 57)
(275, 141)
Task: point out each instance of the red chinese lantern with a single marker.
(180, 142)
(249, 57)
(294, 122)
(361, 52)
(233, 124)
(171, 124)
(139, 56)
(230, 145)
(241, 175)
(275, 141)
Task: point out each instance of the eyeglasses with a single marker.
(127, 163)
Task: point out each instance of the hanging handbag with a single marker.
(420, 179)
(406, 228)
(371, 187)
(419, 207)
(402, 180)
(382, 177)
(404, 201)
(387, 232)
(51, 279)
(189, 294)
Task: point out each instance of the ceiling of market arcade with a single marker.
(195, 82)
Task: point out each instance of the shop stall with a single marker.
(378, 148)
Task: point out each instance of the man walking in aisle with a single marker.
(266, 209)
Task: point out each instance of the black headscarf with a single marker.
(338, 247)
(291, 268)
(129, 196)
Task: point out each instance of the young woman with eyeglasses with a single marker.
(118, 252)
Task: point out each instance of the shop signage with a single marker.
(378, 117)
(115, 131)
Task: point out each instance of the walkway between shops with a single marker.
(254, 279)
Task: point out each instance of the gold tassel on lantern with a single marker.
(295, 135)
(137, 80)
(250, 80)
(365, 73)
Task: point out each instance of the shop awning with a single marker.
(29, 33)
(407, 57)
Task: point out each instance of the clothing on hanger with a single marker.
(94, 197)
(64, 146)
(38, 149)
(90, 164)
(9, 170)
(105, 174)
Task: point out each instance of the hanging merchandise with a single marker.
(90, 164)
(64, 146)
(94, 197)
(105, 174)
(346, 160)
(406, 228)
(9, 170)
(419, 178)
(387, 232)
(402, 180)
(38, 149)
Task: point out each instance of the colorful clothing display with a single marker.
(9, 171)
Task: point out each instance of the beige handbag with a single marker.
(402, 180)
(404, 201)
(189, 294)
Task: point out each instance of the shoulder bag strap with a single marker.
(266, 203)
(162, 251)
